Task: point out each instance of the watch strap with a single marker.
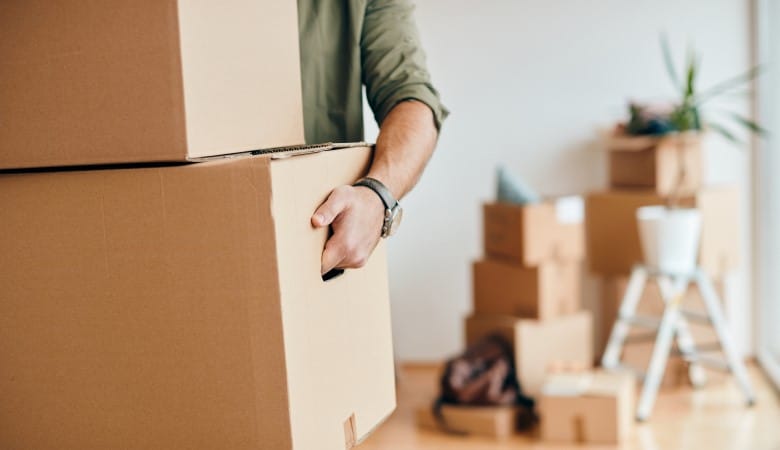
(381, 190)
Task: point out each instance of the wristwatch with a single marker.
(393, 211)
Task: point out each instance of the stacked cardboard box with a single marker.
(590, 407)
(527, 290)
(182, 305)
(527, 287)
(644, 171)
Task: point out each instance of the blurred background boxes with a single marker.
(538, 345)
(543, 292)
(647, 162)
(497, 422)
(535, 233)
(591, 407)
(612, 235)
(528, 287)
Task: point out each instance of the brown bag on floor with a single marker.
(484, 375)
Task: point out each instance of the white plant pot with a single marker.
(670, 237)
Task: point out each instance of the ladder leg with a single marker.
(661, 349)
(685, 341)
(636, 284)
(734, 360)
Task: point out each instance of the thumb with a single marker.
(328, 211)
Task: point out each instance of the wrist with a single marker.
(393, 212)
(388, 181)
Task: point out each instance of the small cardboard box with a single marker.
(538, 346)
(497, 422)
(532, 234)
(543, 292)
(127, 81)
(183, 307)
(655, 163)
(593, 408)
(612, 233)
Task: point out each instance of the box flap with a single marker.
(285, 152)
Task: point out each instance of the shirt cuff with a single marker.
(419, 92)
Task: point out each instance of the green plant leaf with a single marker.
(750, 124)
(669, 61)
(723, 131)
(690, 78)
(729, 84)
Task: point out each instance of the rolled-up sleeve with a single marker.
(393, 61)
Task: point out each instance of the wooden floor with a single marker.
(710, 418)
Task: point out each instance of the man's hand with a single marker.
(356, 215)
(406, 141)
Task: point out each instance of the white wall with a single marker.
(529, 82)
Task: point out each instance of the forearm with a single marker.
(406, 142)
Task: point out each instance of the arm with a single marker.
(409, 112)
(404, 146)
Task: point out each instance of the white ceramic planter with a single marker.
(670, 237)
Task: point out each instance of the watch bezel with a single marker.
(393, 218)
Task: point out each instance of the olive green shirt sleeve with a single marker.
(393, 61)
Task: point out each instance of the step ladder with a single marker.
(671, 326)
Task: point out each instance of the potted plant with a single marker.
(670, 233)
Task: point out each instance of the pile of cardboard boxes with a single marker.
(644, 171)
(177, 304)
(527, 289)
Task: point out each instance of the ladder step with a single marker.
(705, 347)
(643, 321)
(695, 316)
(631, 369)
(639, 338)
(708, 361)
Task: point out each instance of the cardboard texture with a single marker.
(183, 307)
(497, 422)
(612, 235)
(141, 81)
(538, 346)
(637, 354)
(532, 234)
(655, 164)
(543, 292)
(593, 408)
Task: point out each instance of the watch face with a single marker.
(398, 215)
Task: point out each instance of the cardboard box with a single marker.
(655, 163)
(183, 307)
(542, 292)
(532, 234)
(593, 408)
(612, 235)
(128, 81)
(497, 422)
(538, 346)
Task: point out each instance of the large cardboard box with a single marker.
(593, 408)
(535, 233)
(497, 422)
(612, 235)
(543, 292)
(539, 346)
(183, 307)
(655, 163)
(138, 81)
